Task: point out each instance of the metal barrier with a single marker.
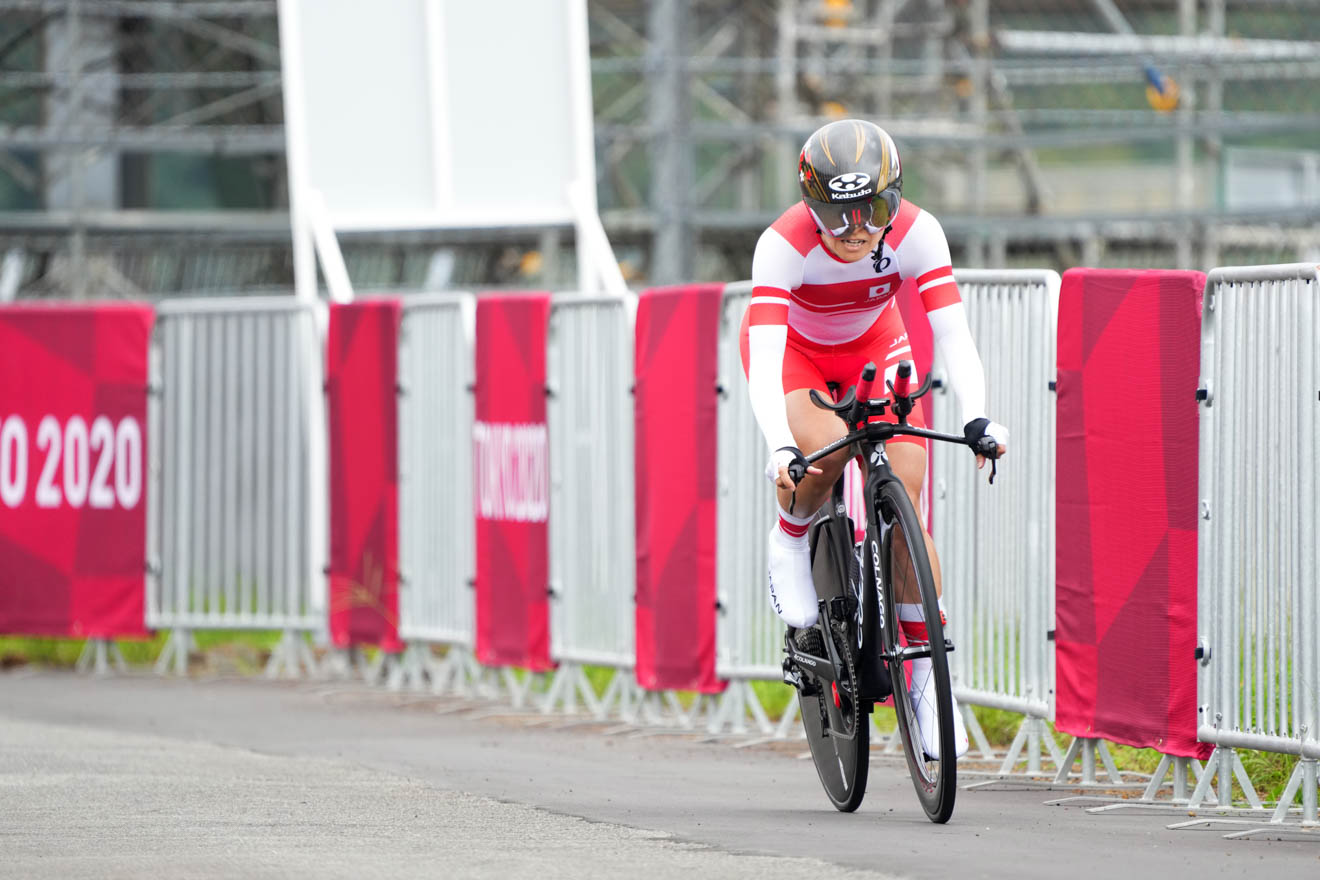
(593, 576)
(1258, 609)
(996, 543)
(749, 635)
(436, 527)
(237, 529)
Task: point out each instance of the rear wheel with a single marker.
(918, 686)
(836, 724)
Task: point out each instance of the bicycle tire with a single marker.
(837, 734)
(935, 779)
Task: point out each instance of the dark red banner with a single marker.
(676, 429)
(73, 444)
(361, 377)
(1129, 360)
(511, 482)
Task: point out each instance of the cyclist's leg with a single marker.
(908, 461)
(792, 593)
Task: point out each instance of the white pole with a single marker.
(295, 136)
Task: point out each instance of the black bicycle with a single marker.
(855, 656)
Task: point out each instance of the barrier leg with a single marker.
(353, 662)
(98, 655)
(412, 669)
(1223, 765)
(457, 673)
(1303, 778)
(1031, 735)
(175, 653)
(570, 681)
(622, 692)
(975, 732)
(788, 721)
(733, 707)
(291, 657)
(1179, 766)
(1088, 749)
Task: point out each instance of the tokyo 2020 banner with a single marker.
(511, 481)
(73, 419)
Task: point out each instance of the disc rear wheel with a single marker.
(836, 724)
(838, 730)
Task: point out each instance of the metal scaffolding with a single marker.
(142, 141)
(1026, 125)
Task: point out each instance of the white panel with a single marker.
(367, 100)
(439, 113)
(511, 103)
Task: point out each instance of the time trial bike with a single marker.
(856, 654)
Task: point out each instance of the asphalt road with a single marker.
(137, 776)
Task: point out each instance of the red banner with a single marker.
(1129, 359)
(675, 411)
(73, 416)
(511, 482)
(361, 376)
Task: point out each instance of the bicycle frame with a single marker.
(871, 440)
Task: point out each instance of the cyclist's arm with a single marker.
(767, 335)
(926, 252)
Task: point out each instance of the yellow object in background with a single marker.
(1161, 91)
(838, 13)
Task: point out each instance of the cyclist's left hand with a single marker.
(978, 428)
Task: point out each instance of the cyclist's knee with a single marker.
(908, 461)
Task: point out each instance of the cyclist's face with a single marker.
(852, 245)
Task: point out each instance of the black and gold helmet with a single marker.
(850, 175)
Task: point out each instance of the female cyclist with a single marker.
(824, 278)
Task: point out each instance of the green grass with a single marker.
(64, 652)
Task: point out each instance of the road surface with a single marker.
(139, 776)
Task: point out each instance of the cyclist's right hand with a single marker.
(986, 438)
(787, 467)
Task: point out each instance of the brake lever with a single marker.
(989, 448)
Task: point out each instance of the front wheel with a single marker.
(919, 672)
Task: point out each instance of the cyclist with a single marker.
(824, 278)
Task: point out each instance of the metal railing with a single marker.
(237, 528)
(589, 370)
(748, 635)
(436, 526)
(996, 543)
(1257, 588)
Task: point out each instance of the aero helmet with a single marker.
(850, 175)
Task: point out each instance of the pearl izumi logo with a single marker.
(850, 183)
(511, 475)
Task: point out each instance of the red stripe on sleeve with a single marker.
(933, 274)
(940, 296)
(767, 314)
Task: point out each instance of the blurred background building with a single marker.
(142, 145)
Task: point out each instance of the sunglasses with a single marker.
(873, 214)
